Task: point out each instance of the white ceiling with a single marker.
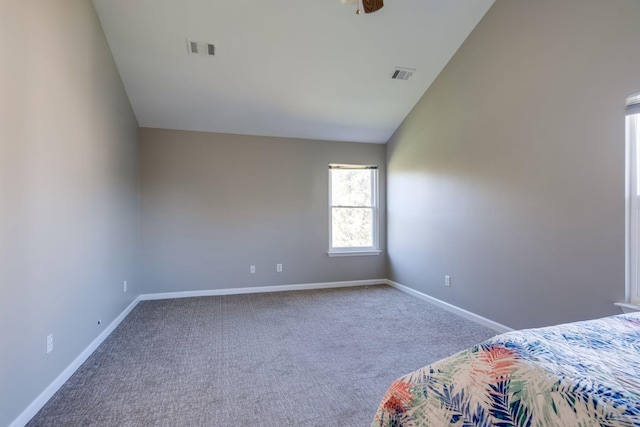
(289, 68)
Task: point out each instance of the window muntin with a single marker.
(353, 209)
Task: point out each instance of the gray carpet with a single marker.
(304, 358)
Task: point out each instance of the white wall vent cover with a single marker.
(402, 73)
(200, 48)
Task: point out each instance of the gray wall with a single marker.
(508, 174)
(69, 231)
(214, 204)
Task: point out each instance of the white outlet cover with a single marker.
(49, 343)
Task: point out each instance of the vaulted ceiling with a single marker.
(289, 68)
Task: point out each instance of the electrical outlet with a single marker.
(447, 281)
(252, 269)
(279, 268)
(125, 286)
(49, 343)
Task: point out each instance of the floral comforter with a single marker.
(577, 374)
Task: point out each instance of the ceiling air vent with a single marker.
(200, 48)
(402, 73)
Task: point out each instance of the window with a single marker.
(353, 210)
(633, 199)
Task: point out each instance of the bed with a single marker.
(576, 374)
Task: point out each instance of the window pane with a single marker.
(351, 187)
(633, 252)
(352, 227)
(633, 129)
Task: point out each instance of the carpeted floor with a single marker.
(303, 358)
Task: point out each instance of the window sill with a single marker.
(628, 307)
(354, 253)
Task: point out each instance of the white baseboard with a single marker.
(452, 308)
(52, 388)
(44, 397)
(261, 289)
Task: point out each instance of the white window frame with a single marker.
(357, 250)
(632, 215)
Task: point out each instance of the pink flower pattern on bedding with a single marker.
(576, 374)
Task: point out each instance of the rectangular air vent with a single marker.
(200, 48)
(402, 73)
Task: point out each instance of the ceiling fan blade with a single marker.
(372, 5)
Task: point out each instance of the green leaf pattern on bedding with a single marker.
(576, 374)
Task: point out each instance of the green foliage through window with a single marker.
(353, 207)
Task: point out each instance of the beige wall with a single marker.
(68, 192)
(214, 204)
(508, 174)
